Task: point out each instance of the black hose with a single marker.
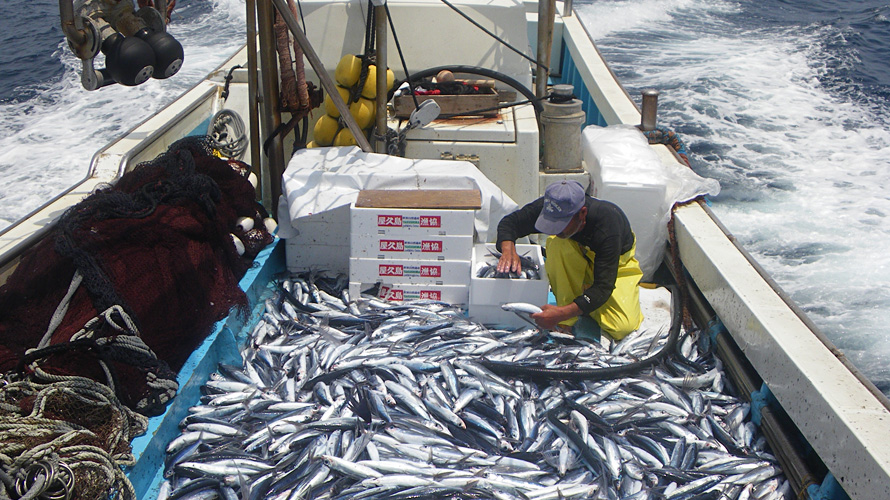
(540, 373)
(475, 70)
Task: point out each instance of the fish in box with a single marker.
(488, 294)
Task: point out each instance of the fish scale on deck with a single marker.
(367, 399)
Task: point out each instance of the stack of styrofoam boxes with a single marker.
(488, 294)
(625, 170)
(416, 253)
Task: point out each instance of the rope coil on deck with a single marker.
(65, 439)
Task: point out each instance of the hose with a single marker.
(475, 70)
(611, 372)
(228, 133)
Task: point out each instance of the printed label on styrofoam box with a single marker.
(430, 246)
(405, 292)
(440, 272)
(423, 247)
(412, 221)
(397, 220)
(402, 270)
(398, 294)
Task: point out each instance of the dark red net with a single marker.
(158, 243)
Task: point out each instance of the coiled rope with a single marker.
(65, 439)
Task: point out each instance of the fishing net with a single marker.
(65, 439)
(132, 279)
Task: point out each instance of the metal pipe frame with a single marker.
(566, 8)
(270, 95)
(380, 22)
(546, 14)
(253, 98)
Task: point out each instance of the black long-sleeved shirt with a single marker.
(607, 232)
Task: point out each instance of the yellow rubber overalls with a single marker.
(570, 274)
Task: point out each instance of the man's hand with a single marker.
(509, 261)
(551, 315)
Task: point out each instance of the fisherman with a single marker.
(590, 259)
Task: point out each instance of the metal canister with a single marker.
(561, 120)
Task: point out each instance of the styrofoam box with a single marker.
(423, 247)
(642, 205)
(457, 295)
(321, 242)
(411, 222)
(440, 272)
(487, 294)
(303, 257)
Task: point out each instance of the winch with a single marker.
(135, 43)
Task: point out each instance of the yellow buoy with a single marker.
(325, 129)
(344, 138)
(364, 111)
(329, 107)
(348, 71)
(370, 89)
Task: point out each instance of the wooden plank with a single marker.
(450, 104)
(459, 199)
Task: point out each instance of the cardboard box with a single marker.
(487, 294)
(438, 272)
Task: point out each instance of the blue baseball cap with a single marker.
(562, 200)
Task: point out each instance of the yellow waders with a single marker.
(570, 274)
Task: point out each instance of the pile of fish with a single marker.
(489, 268)
(364, 399)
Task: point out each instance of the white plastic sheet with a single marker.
(323, 179)
(626, 171)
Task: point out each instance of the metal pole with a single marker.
(649, 111)
(381, 27)
(329, 86)
(253, 102)
(540, 72)
(546, 14)
(567, 8)
(270, 96)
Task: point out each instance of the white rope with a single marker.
(61, 310)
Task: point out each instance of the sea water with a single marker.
(50, 127)
(785, 103)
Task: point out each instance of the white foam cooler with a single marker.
(488, 294)
(625, 171)
(319, 241)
